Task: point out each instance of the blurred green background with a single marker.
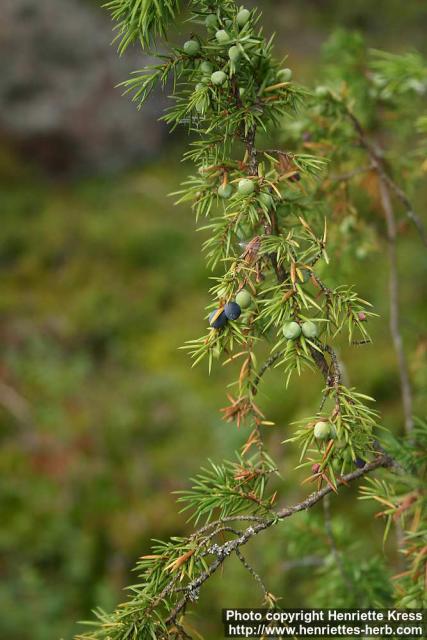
(101, 416)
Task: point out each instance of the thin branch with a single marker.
(267, 365)
(230, 547)
(394, 306)
(342, 366)
(182, 633)
(314, 498)
(236, 518)
(345, 177)
(385, 183)
(409, 208)
(322, 365)
(375, 155)
(252, 152)
(252, 571)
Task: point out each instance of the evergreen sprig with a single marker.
(269, 214)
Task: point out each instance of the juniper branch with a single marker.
(226, 550)
(213, 104)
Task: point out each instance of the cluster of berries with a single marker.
(293, 330)
(309, 329)
(245, 187)
(192, 48)
(225, 33)
(231, 311)
(325, 431)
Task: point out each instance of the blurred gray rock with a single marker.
(58, 101)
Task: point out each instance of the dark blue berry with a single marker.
(220, 322)
(232, 310)
(360, 463)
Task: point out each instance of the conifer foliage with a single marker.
(267, 215)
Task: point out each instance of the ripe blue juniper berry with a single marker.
(273, 204)
(218, 319)
(232, 310)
